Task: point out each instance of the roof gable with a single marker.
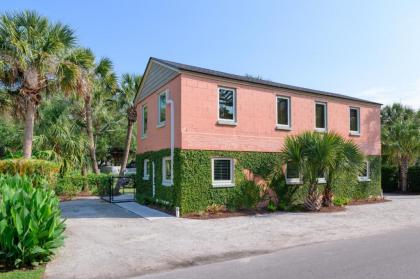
(156, 75)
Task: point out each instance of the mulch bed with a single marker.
(367, 201)
(226, 214)
(69, 198)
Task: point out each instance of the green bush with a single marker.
(341, 201)
(30, 224)
(246, 195)
(271, 206)
(71, 185)
(36, 169)
(414, 179)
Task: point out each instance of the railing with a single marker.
(120, 189)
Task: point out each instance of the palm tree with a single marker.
(347, 158)
(60, 133)
(312, 153)
(31, 52)
(88, 77)
(400, 138)
(129, 87)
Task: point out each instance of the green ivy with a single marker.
(193, 191)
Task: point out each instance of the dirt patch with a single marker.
(69, 198)
(367, 201)
(225, 214)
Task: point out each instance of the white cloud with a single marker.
(409, 96)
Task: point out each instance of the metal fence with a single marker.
(120, 189)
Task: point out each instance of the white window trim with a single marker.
(321, 180)
(165, 182)
(283, 126)
(146, 169)
(223, 183)
(293, 181)
(143, 132)
(365, 178)
(161, 123)
(355, 133)
(325, 116)
(223, 121)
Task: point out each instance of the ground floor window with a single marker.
(146, 169)
(222, 172)
(166, 171)
(365, 172)
(292, 173)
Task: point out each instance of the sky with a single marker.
(367, 49)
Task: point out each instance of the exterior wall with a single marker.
(159, 137)
(256, 117)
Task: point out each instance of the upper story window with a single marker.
(227, 105)
(354, 121)
(222, 172)
(283, 112)
(292, 173)
(144, 121)
(146, 169)
(166, 171)
(162, 109)
(365, 172)
(321, 116)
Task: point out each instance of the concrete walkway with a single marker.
(106, 241)
(144, 211)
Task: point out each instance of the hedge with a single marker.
(72, 185)
(37, 169)
(193, 192)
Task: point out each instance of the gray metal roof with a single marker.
(189, 68)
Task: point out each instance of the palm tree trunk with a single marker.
(313, 201)
(404, 172)
(29, 129)
(327, 197)
(91, 139)
(126, 153)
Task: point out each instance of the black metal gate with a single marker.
(126, 192)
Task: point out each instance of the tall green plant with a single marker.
(400, 138)
(30, 224)
(320, 154)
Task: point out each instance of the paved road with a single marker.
(391, 255)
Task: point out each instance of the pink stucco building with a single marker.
(185, 108)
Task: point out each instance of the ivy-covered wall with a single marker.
(193, 191)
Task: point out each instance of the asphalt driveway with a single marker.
(106, 241)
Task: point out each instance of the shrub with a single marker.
(341, 201)
(72, 185)
(246, 195)
(30, 225)
(271, 206)
(36, 169)
(216, 208)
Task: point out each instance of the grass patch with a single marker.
(23, 274)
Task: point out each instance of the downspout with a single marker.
(172, 106)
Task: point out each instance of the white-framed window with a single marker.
(321, 116)
(365, 172)
(354, 121)
(144, 121)
(226, 106)
(222, 172)
(166, 171)
(321, 178)
(292, 174)
(162, 109)
(283, 112)
(146, 169)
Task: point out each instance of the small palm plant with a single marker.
(320, 154)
